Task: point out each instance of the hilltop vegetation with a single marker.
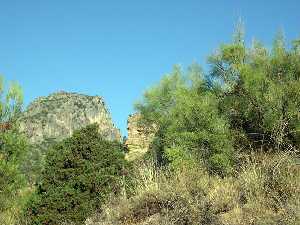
(225, 151)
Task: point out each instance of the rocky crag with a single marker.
(139, 137)
(55, 117)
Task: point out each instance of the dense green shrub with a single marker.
(260, 91)
(186, 114)
(80, 172)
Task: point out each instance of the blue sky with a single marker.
(117, 49)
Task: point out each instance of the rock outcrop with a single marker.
(56, 116)
(139, 137)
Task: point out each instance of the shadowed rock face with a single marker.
(56, 116)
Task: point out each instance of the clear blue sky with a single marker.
(117, 49)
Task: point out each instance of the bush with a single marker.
(80, 172)
(186, 114)
(260, 92)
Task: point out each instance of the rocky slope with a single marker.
(56, 116)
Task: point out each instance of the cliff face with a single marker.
(56, 116)
(139, 137)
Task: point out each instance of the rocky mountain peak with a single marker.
(56, 116)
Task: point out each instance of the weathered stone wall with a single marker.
(56, 117)
(139, 137)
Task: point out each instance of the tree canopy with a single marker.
(79, 173)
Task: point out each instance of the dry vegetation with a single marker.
(264, 191)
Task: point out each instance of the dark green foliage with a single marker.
(35, 159)
(80, 172)
(32, 164)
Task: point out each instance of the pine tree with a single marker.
(80, 172)
(13, 148)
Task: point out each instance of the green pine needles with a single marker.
(80, 172)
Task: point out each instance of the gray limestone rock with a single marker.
(56, 116)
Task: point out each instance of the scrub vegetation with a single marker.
(225, 151)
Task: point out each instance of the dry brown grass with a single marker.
(264, 191)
